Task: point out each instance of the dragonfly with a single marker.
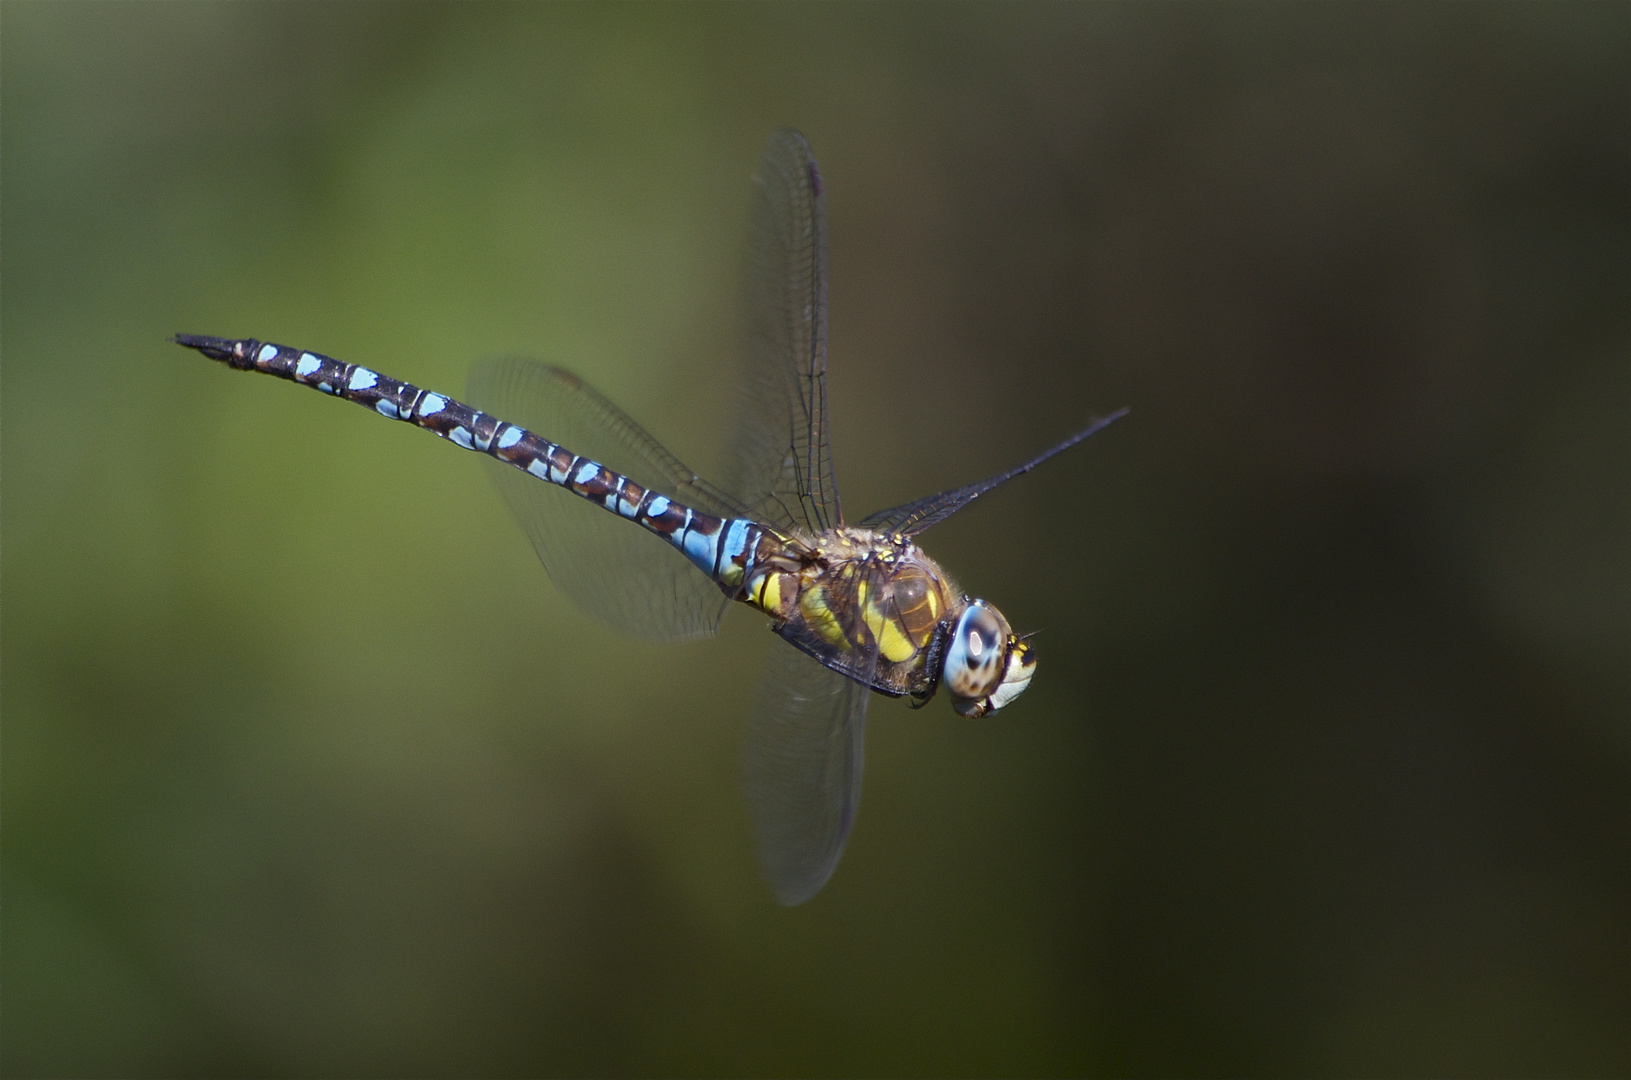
(646, 545)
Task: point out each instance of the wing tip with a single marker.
(797, 888)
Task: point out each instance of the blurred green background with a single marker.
(308, 770)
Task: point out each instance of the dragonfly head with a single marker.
(985, 665)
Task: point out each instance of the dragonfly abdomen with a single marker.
(722, 548)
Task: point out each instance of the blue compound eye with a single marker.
(974, 657)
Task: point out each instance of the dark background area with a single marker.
(308, 769)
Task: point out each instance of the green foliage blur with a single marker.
(309, 771)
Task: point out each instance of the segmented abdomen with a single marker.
(722, 548)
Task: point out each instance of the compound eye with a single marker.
(974, 657)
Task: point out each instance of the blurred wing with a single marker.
(806, 740)
(782, 462)
(916, 517)
(629, 579)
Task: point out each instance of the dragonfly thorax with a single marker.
(874, 606)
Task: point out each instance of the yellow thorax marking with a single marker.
(818, 615)
(772, 593)
(893, 644)
(767, 593)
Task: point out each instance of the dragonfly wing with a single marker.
(805, 746)
(782, 460)
(629, 579)
(915, 517)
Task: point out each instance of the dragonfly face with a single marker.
(985, 665)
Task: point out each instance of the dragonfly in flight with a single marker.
(863, 608)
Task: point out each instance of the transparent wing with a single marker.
(616, 571)
(782, 462)
(805, 747)
(916, 517)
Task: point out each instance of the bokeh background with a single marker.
(309, 771)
